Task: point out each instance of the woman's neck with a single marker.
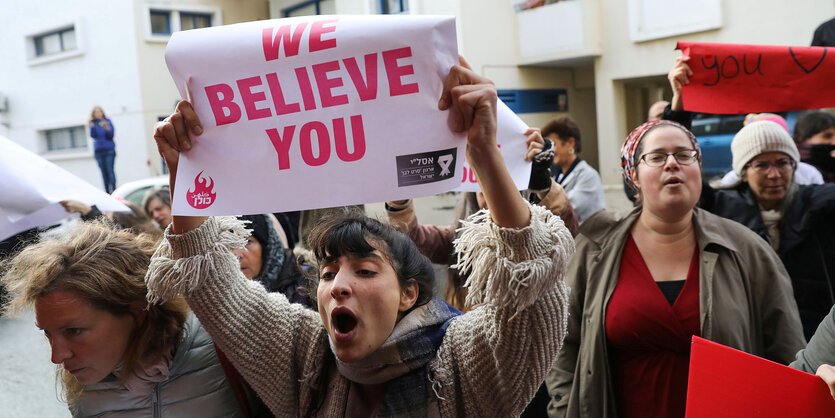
(665, 229)
(569, 161)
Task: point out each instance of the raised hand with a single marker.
(679, 76)
(172, 137)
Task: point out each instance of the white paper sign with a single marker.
(32, 188)
(510, 137)
(315, 111)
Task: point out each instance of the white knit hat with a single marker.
(759, 137)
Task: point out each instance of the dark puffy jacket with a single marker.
(807, 241)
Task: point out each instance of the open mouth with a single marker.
(344, 323)
(673, 181)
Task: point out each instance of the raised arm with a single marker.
(263, 335)
(472, 101)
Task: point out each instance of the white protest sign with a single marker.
(510, 137)
(32, 189)
(315, 111)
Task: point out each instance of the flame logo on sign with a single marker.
(202, 196)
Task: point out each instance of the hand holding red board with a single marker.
(725, 382)
(732, 78)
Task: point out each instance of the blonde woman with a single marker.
(116, 354)
(101, 130)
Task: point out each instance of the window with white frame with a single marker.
(55, 42)
(311, 8)
(165, 20)
(60, 139)
(393, 6)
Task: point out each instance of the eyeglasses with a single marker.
(784, 165)
(657, 159)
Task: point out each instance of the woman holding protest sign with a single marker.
(642, 285)
(380, 345)
(797, 220)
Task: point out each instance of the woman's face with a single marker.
(771, 184)
(250, 257)
(360, 301)
(160, 212)
(672, 186)
(561, 149)
(89, 342)
(826, 137)
(98, 113)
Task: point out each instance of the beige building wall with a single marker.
(159, 95)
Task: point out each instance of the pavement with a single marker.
(27, 376)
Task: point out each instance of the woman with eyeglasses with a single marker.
(643, 284)
(798, 221)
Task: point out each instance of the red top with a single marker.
(649, 340)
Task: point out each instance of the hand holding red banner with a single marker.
(729, 78)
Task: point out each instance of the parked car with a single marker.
(134, 191)
(715, 133)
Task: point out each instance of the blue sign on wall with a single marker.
(535, 100)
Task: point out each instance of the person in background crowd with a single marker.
(814, 134)
(289, 222)
(642, 285)
(580, 181)
(380, 345)
(795, 220)
(804, 174)
(116, 354)
(135, 220)
(157, 204)
(266, 260)
(104, 149)
(824, 34)
(656, 110)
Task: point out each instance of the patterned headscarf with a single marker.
(628, 159)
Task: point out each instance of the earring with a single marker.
(571, 150)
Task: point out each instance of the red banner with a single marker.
(725, 382)
(730, 78)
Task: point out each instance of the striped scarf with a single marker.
(402, 362)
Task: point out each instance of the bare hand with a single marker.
(172, 136)
(535, 143)
(558, 199)
(679, 76)
(472, 100)
(827, 373)
(75, 206)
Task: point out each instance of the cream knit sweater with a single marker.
(490, 363)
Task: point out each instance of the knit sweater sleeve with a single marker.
(494, 357)
(277, 347)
